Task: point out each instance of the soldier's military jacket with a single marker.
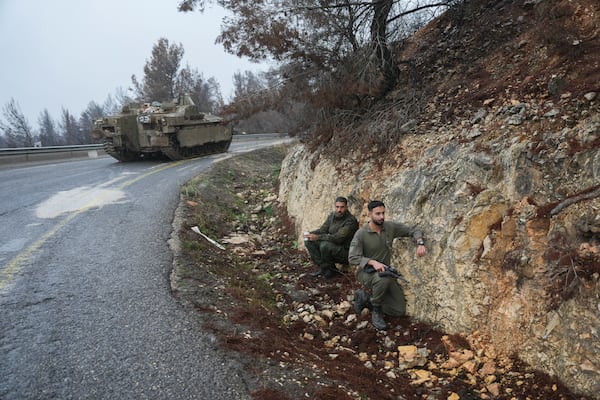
(368, 245)
(338, 230)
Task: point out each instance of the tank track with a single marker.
(174, 152)
(123, 156)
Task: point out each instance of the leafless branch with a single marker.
(575, 199)
(417, 9)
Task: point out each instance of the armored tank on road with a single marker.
(173, 130)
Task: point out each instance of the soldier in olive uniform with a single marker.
(372, 247)
(329, 244)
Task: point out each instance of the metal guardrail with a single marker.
(29, 154)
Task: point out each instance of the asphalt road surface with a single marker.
(86, 310)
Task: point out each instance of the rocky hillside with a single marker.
(495, 153)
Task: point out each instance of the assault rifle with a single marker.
(389, 271)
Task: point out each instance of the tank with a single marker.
(175, 130)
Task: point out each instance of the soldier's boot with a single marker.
(317, 273)
(330, 272)
(361, 300)
(377, 319)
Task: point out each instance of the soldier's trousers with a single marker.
(386, 292)
(325, 254)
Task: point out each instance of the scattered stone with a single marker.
(470, 366)
(473, 133)
(555, 85)
(488, 368)
(362, 325)
(343, 307)
(420, 376)
(514, 120)
(408, 126)
(494, 389)
(333, 342)
(407, 352)
(479, 115)
(410, 356)
(483, 161)
(552, 113)
(320, 321)
(388, 343)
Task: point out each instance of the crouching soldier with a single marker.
(329, 244)
(371, 251)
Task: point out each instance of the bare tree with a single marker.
(114, 103)
(216, 98)
(121, 98)
(251, 95)
(16, 128)
(349, 42)
(206, 94)
(92, 112)
(258, 104)
(70, 128)
(48, 134)
(247, 83)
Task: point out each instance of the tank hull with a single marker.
(162, 131)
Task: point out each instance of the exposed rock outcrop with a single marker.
(499, 164)
(504, 259)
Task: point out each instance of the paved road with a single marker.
(86, 310)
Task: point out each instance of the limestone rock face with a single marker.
(511, 223)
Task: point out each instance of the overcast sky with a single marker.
(65, 53)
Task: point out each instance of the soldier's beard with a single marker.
(378, 223)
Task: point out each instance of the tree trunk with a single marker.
(389, 71)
